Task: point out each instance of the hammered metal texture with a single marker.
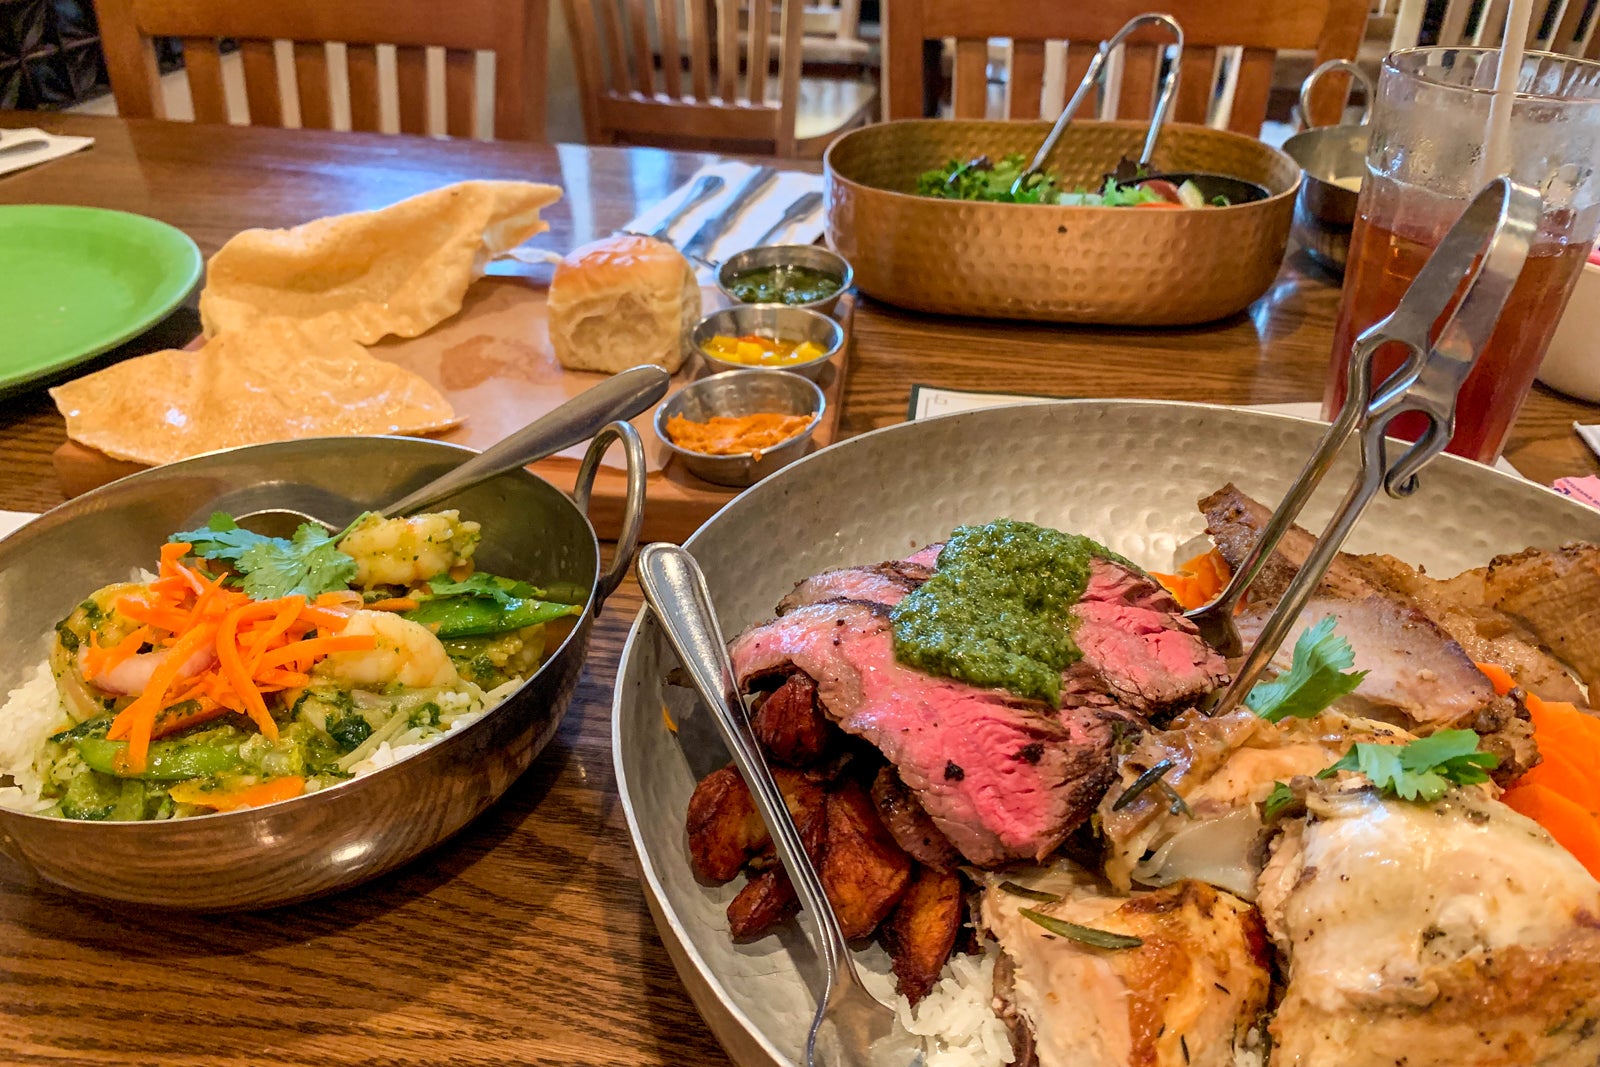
(1114, 266)
(1126, 472)
(262, 857)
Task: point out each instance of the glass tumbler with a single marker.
(1425, 161)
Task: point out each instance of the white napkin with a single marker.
(756, 218)
(16, 151)
(11, 520)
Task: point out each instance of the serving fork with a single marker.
(849, 1020)
(1444, 320)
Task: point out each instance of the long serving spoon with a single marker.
(1483, 254)
(620, 397)
(676, 591)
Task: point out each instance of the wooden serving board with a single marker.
(493, 361)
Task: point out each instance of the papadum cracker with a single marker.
(275, 381)
(398, 270)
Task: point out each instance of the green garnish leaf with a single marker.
(1424, 769)
(1141, 783)
(1277, 800)
(503, 591)
(1032, 894)
(271, 567)
(1319, 674)
(1087, 935)
(220, 538)
(310, 564)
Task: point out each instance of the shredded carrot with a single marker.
(395, 603)
(1575, 829)
(1499, 677)
(250, 796)
(254, 648)
(1198, 581)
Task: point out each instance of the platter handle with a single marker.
(633, 502)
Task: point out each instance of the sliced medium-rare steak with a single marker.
(1002, 778)
(884, 583)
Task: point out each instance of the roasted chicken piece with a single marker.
(1187, 996)
(921, 932)
(1557, 594)
(1452, 934)
(1222, 768)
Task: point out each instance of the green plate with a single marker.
(76, 281)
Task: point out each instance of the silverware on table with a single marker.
(798, 211)
(714, 228)
(676, 591)
(704, 188)
(619, 397)
(27, 145)
(1485, 251)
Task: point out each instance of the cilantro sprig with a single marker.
(267, 568)
(1422, 770)
(1318, 675)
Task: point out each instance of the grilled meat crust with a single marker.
(909, 824)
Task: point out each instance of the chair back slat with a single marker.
(616, 51)
(1140, 65)
(644, 61)
(316, 32)
(311, 85)
(411, 82)
(1026, 82)
(1252, 92)
(460, 92)
(203, 61)
(361, 70)
(727, 50)
(791, 25)
(760, 48)
(671, 49)
(699, 47)
(1328, 28)
(262, 94)
(1197, 84)
(1453, 29)
(969, 92)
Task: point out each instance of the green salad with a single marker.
(985, 179)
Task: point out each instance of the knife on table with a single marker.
(707, 186)
(798, 211)
(708, 235)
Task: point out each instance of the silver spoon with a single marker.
(620, 397)
(1484, 251)
(676, 591)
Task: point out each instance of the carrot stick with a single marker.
(1498, 676)
(136, 720)
(235, 671)
(1575, 829)
(250, 796)
(395, 603)
(170, 721)
(332, 621)
(303, 653)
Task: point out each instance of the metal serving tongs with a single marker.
(1480, 258)
(849, 1020)
(1169, 86)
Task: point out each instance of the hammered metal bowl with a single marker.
(1111, 266)
(1132, 474)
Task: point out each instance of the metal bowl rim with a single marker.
(837, 331)
(156, 826)
(847, 280)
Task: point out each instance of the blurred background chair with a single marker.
(1227, 70)
(719, 75)
(358, 64)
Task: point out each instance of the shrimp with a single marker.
(411, 550)
(96, 619)
(407, 653)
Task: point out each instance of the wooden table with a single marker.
(524, 940)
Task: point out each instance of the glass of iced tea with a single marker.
(1424, 163)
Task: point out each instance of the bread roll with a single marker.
(623, 301)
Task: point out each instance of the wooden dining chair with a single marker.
(719, 75)
(1256, 28)
(1564, 26)
(513, 30)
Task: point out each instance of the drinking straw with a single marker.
(1497, 147)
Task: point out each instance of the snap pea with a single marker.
(473, 616)
(168, 761)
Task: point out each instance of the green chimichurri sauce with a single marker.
(998, 611)
(783, 285)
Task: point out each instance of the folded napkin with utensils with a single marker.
(696, 215)
(25, 147)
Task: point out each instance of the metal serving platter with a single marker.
(1127, 473)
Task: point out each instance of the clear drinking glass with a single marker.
(1425, 161)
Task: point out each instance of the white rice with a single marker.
(955, 1024)
(33, 711)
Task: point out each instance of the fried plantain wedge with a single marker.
(863, 870)
(921, 932)
(791, 726)
(726, 831)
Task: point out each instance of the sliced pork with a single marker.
(1002, 778)
(1557, 594)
